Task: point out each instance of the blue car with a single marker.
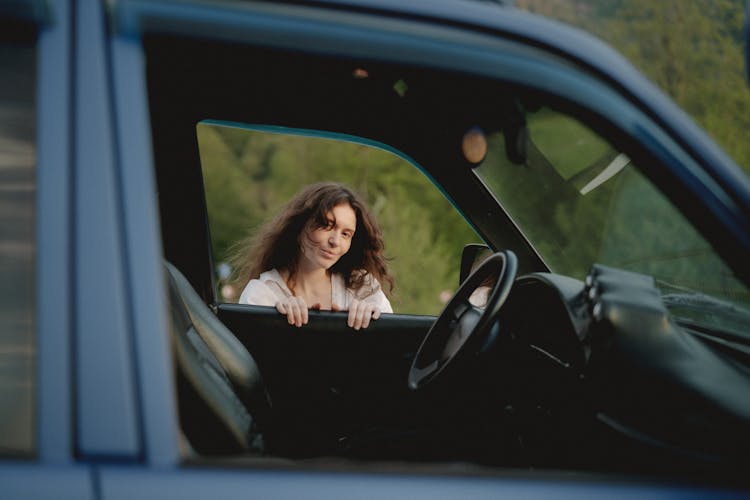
(572, 300)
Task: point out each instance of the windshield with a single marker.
(580, 201)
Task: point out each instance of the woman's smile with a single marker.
(329, 254)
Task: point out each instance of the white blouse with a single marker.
(270, 288)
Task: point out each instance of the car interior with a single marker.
(553, 373)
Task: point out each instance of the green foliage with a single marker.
(692, 49)
(249, 175)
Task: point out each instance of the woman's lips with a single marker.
(327, 254)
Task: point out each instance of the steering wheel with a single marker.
(461, 325)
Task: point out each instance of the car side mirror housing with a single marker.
(472, 255)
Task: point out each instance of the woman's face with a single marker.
(323, 247)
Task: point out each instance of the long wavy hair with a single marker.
(277, 244)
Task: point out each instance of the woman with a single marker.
(323, 251)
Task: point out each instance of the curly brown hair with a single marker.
(277, 244)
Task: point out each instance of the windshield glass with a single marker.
(580, 201)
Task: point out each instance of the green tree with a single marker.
(691, 49)
(249, 175)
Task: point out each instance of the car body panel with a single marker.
(106, 402)
(47, 480)
(193, 484)
(147, 293)
(54, 277)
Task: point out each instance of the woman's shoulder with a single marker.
(266, 290)
(270, 275)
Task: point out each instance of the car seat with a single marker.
(221, 395)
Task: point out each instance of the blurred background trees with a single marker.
(250, 174)
(692, 49)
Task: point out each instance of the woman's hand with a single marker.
(360, 313)
(295, 310)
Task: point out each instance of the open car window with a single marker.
(250, 172)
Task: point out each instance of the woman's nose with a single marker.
(333, 239)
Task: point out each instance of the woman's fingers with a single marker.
(294, 309)
(287, 309)
(300, 312)
(352, 313)
(360, 314)
(303, 311)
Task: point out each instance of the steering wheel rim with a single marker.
(461, 324)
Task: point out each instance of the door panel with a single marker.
(334, 390)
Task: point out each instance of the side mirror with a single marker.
(473, 254)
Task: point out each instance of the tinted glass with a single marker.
(17, 248)
(581, 201)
